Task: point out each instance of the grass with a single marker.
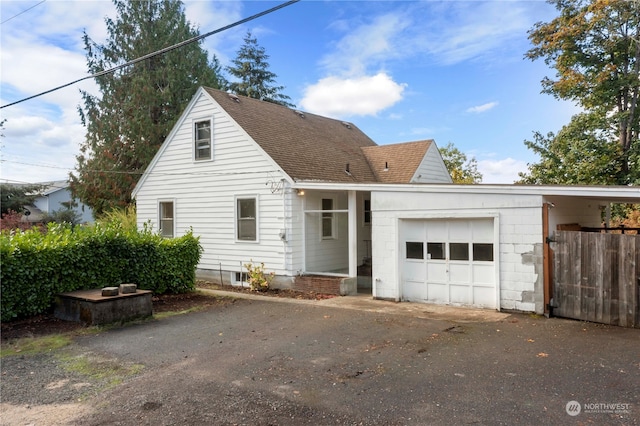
(35, 345)
(110, 371)
(167, 314)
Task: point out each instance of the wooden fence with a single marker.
(596, 277)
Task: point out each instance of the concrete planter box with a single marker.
(92, 308)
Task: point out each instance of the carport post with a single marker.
(353, 234)
(546, 261)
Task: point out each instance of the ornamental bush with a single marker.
(36, 266)
(258, 279)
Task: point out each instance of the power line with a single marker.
(158, 52)
(18, 14)
(124, 172)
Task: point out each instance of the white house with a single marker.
(325, 208)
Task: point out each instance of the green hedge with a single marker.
(34, 267)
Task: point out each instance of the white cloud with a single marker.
(483, 107)
(501, 171)
(343, 97)
(480, 28)
(367, 44)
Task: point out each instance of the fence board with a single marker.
(596, 277)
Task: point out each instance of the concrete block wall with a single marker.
(521, 259)
(520, 240)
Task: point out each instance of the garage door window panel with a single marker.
(436, 251)
(415, 250)
(482, 252)
(458, 251)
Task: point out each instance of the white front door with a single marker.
(449, 261)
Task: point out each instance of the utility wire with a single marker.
(158, 52)
(18, 14)
(124, 172)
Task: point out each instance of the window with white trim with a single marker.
(202, 140)
(246, 219)
(328, 219)
(166, 218)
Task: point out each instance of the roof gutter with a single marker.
(626, 194)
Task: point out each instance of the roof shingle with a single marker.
(311, 147)
(307, 146)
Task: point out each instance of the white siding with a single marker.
(432, 168)
(569, 210)
(520, 239)
(204, 192)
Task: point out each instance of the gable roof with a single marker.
(396, 163)
(308, 147)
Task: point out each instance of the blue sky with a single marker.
(452, 71)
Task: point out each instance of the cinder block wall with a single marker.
(520, 240)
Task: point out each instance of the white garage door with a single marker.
(449, 261)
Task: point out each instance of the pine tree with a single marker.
(252, 69)
(138, 104)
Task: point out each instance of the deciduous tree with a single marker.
(594, 46)
(581, 153)
(462, 169)
(138, 105)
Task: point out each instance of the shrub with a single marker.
(257, 278)
(37, 266)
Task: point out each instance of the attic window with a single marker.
(234, 97)
(300, 113)
(347, 125)
(202, 140)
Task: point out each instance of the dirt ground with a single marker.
(47, 324)
(283, 362)
(51, 376)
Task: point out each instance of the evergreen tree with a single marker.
(139, 104)
(594, 46)
(252, 69)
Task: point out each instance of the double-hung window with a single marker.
(202, 140)
(166, 218)
(246, 219)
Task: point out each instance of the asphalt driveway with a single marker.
(356, 361)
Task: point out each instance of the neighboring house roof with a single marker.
(51, 187)
(396, 163)
(308, 147)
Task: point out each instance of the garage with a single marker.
(448, 261)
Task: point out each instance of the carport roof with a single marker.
(620, 194)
